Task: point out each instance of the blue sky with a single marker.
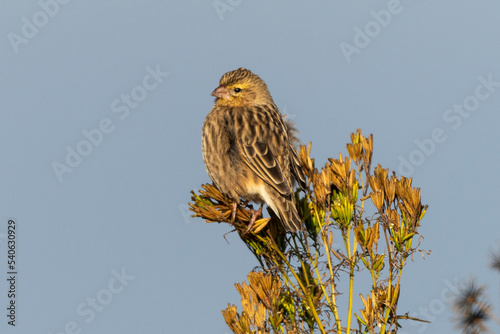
(101, 115)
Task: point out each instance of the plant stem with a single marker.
(389, 282)
(352, 258)
(333, 305)
(306, 295)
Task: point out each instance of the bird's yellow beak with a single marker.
(221, 92)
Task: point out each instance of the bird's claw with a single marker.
(255, 214)
(233, 211)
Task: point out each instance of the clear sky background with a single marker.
(105, 243)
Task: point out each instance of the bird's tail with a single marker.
(286, 211)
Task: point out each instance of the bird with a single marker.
(249, 148)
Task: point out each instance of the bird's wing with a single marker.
(295, 165)
(297, 169)
(262, 161)
(259, 149)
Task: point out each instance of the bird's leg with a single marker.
(233, 211)
(255, 214)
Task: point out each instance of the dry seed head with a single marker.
(341, 172)
(390, 189)
(253, 310)
(355, 151)
(393, 218)
(355, 136)
(368, 150)
(377, 180)
(361, 149)
(361, 235)
(266, 287)
(321, 186)
(306, 161)
(379, 263)
(378, 200)
(231, 317)
(368, 312)
(374, 236)
(402, 186)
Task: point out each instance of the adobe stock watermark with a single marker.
(121, 107)
(435, 308)
(454, 117)
(89, 309)
(3, 239)
(31, 26)
(363, 37)
(223, 6)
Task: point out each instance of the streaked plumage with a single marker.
(248, 147)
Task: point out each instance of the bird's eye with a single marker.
(237, 90)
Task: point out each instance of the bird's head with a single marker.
(240, 88)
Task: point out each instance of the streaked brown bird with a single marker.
(249, 149)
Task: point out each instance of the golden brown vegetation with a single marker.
(355, 220)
